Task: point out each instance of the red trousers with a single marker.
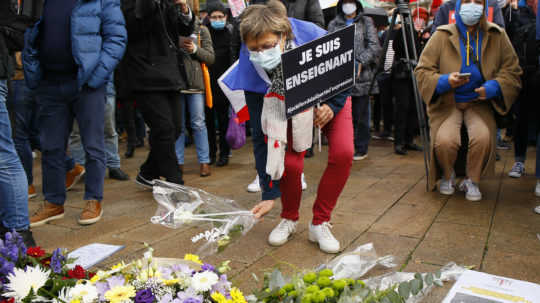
(339, 132)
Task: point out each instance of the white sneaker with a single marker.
(537, 209)
(472, 192)
(322, 235)
(537, 189)
(281, 233)
(304, 184)
(255, 186)
(447, 187)
(518, 169)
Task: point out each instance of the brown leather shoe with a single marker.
(91, 213)
(31, 192)
(73, 176)
(205, 170)
(47, 212)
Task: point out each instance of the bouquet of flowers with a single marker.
(31, 275)
(181, 206)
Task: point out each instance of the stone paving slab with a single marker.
(384, 202)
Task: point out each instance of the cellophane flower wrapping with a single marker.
(182, 206)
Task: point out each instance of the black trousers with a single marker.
(406, 120)
(526, 109)
(127, 113)
(386, 97)
(162, 113)
(219, 112)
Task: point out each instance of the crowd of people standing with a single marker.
(69, 86)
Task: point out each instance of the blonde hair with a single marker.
(259, 19)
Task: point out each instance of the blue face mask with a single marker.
(267, 59)
(218, 24)
(471, 13)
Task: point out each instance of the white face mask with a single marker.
(267, 59)
(348, 8)
(471, 13)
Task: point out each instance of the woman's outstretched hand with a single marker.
(456, 81)
(262, 208)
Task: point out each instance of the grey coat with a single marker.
(367, 48)
(204, 54)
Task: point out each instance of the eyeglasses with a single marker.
(217, 17)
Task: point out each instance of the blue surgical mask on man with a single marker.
(471, 13)
(268, 59)
(220, 24)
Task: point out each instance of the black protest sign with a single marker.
(318, 70)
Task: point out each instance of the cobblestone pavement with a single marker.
(384, 202)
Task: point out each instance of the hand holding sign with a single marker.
(323, 115)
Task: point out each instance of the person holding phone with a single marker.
(467, 71)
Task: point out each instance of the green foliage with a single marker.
(320, 288)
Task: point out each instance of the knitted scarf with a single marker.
(274, 124)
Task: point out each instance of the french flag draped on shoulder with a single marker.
(244, 76)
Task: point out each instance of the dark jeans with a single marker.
(24, 110)
(219, 112)
(270, 190)
(526, 109)
(60, 102)
(386, 97)
(406, 126)
(162, 112)
(360, 114)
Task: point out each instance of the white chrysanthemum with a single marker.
(21, 282)
(203, 281)
(63, 296)
(86, 293)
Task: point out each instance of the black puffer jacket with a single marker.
(150, 62)
(307, 10)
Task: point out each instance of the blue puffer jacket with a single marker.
(98, 39)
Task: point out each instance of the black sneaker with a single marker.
(118, 174)
(400, 150)
(222, 161)
(412, 146)
(144, 182)
(503, 145)
(309, 153)
(359, 156)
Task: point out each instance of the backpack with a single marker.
(524, 41)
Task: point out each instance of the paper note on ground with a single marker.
(92, 254)
(478, 287)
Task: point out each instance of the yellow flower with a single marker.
(120, 294)
(237, 296)
(95, 279)
(75, 301)
(171, 282)
(193, 258)
(219, 298)
(116, 266)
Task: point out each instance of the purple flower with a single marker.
(182, 268)
(183, 296)
(115, 281)
(207, 267)
(57, 259)
(223, 286)
(102, 288)
(192, 300)
(144, 296)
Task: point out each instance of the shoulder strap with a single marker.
(471, 55)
